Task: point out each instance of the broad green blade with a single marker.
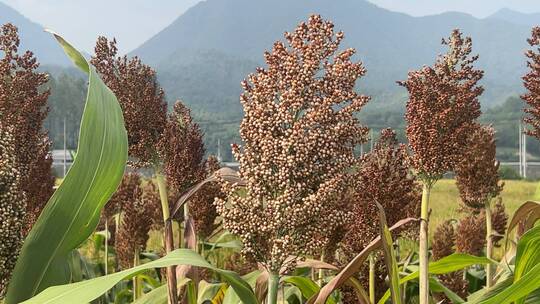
(159, 295)
(232, 296)
(87, 291)
(436, 286)
(451, 263)
(526, 277)
(209, 291)
(307, 287)
(529, 283)
(72, 213)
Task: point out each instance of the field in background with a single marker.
(445, 198)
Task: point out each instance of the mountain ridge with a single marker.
(34, 38)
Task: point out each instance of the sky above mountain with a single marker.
(134, 21)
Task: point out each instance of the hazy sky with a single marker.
(134, 21)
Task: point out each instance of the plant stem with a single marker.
(423, 250)
(169, 240)
(273, 287)
(371, 279)
(321, 272)
(136, 282)
(106, 246)
(489, 244)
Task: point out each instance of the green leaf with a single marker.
(232, 296)
(159, 295)
(527, 255)
(451, 263)
(208, 291)
(306, 286)
(526, 278)
(436, 286)
(72, 213)
(389, 256)
(513, 292)
(86, 291)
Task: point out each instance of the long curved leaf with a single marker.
(529, 283)
(307, 287)
(72, 213)
(86, 291)
(233, 297)
(353, 266)
(451, 263)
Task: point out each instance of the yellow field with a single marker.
(445, 198)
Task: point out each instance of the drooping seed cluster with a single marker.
(443, 103)
(444, 240)
(138, 92)
(138, 213)
(201, 205)
(23, 107)
(384, 176)
(468, 235)
(12, 208)
(531, 81)
(499, 221)
(299, 132)
(477, 174)
(181, 150)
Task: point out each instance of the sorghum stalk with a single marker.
(136, 280)
(171, 270)
(273, 287)
(423, 246)
(106, 260)
(371, 279)
(489, 244)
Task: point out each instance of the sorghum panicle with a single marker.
(531, 81)
(443, 103)
(138, 92)
(499, 221)
(201, 205)
(12, 208)
(383, 176)
(181, 149)
(138, 212)
(23, 107)
(444, 241)
(477, 174)
(471, 234)
(299, 132)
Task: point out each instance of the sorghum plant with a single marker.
(299, 132)
(23, 106)
(478, 181)
(531, 82)
(444, 244)
(202, 208)
(142, 100)
(181, 150)
(383, 176)
(153, 140)
(137, 218)
(12, 208)
(442, 106)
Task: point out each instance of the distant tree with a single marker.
(23, 106)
